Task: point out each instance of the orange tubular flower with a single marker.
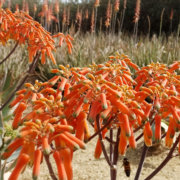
(22, 91)
(70, 108)
(123, 118)
(70, 95)
(139, 84)
(135, 105)
(23, 159)
(64, 128)
(112, 91)
(133, 66)
(88, 96)
(53, 81)
(123, 108)
(139, 120)
(75, 87)
(18, 98)
(76, 140)
(86, 130)
(106, 112)
(78, 107)
(70, 143)
(157, 103)
(62, 84)
(45, 145)
(67, 160)
(93, 111)
(24, 133)
(80, 126)
(142, 115)
(122, 145)
(103, 101)
(176, 100)
(142, 98)
(148, 130)
(147, 141)
(14, 145)
(175, 114)
(43, 56)
(60, 165)
(132, 141)
(165, 114)
(16, 120)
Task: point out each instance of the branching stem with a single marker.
(51, 172)
(102, 144)
(31, 69)
(9, 53)
(99, 131)
(166, 160)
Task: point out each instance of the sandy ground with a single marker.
(86, 167)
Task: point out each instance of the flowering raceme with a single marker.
(19, 26)
(162, 85)
(75, 96)
(104, 89)
(45, 124)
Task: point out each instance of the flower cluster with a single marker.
(108, 15)
(96, 4)
(105, 89)
(116, 6)
(163, 85)
(45, 125)
(19, 26)
(75, 96)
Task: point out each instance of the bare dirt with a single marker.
(86, 167)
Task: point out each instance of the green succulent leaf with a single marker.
(7, 118)
(12, 165)
(1, 128)
(8, 81)
(2, 171)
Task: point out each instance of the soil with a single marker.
(86, 167)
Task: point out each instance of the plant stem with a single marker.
(149, 22)
(169, 156)
(95, 22)
(9, 53)
(115, 156)
(122, 20)
(51, 172)
(46, 20)
(99, 130)
(111, 149)
(170, 26)
(102, 144)
(115, 17)
(110, 141)
(34, 15)
(143, 156)
(31, 69)
(58, 22)
(136, 32)
(141, 163)
(161, 22)
(150, 117)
